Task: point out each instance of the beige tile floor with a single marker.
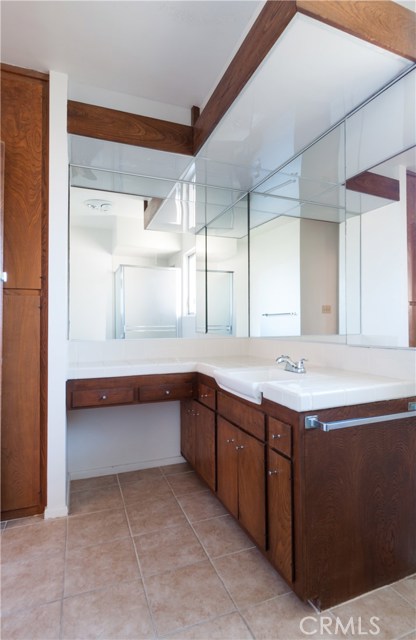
(153, 554)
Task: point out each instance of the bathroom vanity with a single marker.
(333, 509)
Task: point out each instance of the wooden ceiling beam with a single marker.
(128, 128)
(382, 23)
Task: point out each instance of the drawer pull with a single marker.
(273, 472)
(103, 397)
(241, 446)
(230, 440)
(204, 395)
(277, 436)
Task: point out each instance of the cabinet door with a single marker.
(188, 431)
(227, 465)
(205, 444)
(279, 479)
(20, 446)
(23, 105)
(252, 487)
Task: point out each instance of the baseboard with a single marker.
(133, 466)
(56, 512)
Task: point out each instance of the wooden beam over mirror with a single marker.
(128, 128)
(266, 30)
(151, 210)
(383, 23)
(374, 184)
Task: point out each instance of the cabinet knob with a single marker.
(276, 436)
(203, 395)
(167, 392)
(241, 446)
(103, 397)
(230, 440)
(273, 472)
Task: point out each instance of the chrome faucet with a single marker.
(295, 367)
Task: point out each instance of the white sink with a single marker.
(247, 383)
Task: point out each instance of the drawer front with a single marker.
(102, 397)
(242, 415)
(280, 436)
(168, 391)
(206, 395)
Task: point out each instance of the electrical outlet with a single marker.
(326, 308)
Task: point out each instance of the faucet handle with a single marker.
(300, 364)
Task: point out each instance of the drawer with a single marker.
(280, 436)
(242, 415)
(206, 395)
(102, 397)
(166, 391)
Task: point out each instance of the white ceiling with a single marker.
(169, 51)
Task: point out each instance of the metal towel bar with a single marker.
(312, 422)
(286, 313)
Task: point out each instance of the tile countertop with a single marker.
(328, 388)
(323, 389)
(205, 365)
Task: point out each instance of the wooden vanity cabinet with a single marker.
(241, 485)
(279, 498)
(101, 392)
(339, 506)
(198, 439)
(198, 430)
(357, 489)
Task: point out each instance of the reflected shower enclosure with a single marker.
(147, 302)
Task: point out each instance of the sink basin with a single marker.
(247, 383)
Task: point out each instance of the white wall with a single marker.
(123, 438)
(58, 296)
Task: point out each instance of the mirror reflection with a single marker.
(322, 248)
(379, 255)
(296, 270)
(127, 281)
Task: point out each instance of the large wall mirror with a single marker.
(323, 248)
(155, 258)
(297, 270)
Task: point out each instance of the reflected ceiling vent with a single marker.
(99, 206)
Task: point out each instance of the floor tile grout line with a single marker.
(61, 624)
(166, 636)
(146, 595)
(237, 609)
(412, 604)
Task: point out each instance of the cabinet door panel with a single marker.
(188, 431)
(23, 103)
(251, 488)
(205, 444)
(280, 514)
(227, 465)
(20, 447)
